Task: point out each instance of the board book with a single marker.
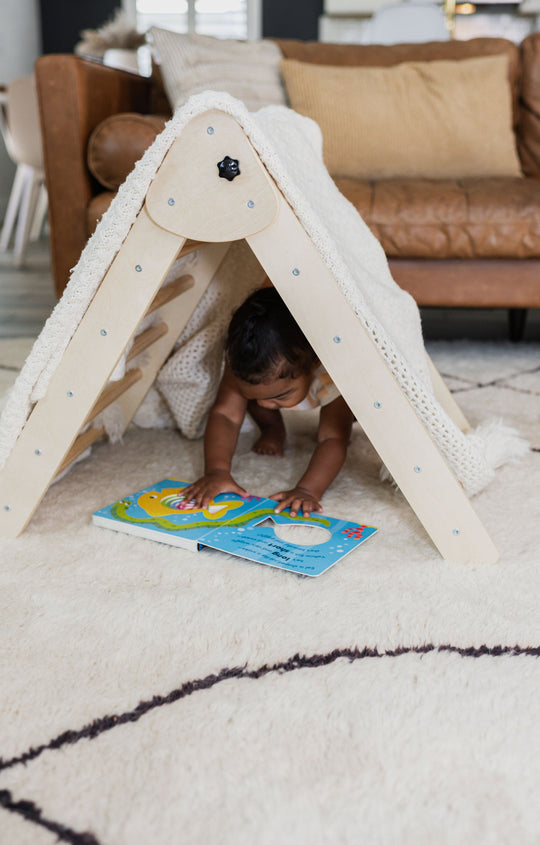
(241, 526)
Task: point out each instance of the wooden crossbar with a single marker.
(112, 392)
(80, 445)
(171, 291)
(146, 339)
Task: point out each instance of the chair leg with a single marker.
(26, 214)
(517, 318)
(12, 207)
(39, 214)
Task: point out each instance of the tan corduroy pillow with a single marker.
(439, 119)
(191, 64)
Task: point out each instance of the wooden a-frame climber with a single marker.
(189, 207)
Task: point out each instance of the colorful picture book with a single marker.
(245, 527)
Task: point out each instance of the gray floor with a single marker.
(26, 294)
(27, 297)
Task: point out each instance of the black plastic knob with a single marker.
(229, 168)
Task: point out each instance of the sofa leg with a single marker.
(517, 317)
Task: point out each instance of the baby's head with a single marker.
(267, 352)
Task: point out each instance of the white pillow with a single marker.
(191, 64)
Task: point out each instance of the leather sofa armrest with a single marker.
(528, 136)
(74, 96)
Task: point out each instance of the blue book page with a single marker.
(241, 526)
(259, 542)
(161, 512)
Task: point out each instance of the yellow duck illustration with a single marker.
(169, 501)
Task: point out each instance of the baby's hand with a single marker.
(299, 499)
(206, 488)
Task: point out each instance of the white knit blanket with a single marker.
(290, 147)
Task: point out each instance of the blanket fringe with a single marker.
(499, 443)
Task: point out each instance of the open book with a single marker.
(245, 527)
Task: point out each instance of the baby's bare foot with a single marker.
(271, 442)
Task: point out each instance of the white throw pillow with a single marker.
(191, 64)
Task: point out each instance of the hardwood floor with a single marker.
(27, 298)
(26, 294)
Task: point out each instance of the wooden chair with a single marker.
(27, 205)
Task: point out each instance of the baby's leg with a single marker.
(270, 422)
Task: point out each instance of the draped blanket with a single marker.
(290, 147)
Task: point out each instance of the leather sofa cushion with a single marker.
(418, 218)
(465, 218)
(528, 135)
(117, 143)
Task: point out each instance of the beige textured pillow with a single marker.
(439, 119)
(190, 64)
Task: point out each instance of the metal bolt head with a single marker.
(296, 271)
(456, 532)
(417, 468)
(210, 130)
(7, 508)
(377, 405)
(250, 204)
(103, 332)
(70, 393)
(37, 451)
(337, 339)
(171, 200)
(138, 268)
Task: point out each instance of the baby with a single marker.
(270, 365)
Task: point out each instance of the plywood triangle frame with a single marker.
(188, 206)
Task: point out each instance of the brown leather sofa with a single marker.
(467, 242)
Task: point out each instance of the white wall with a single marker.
(20, 45)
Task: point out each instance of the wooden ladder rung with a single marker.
(80, 445)
(170, 292)
(145, 339)
(112, 391)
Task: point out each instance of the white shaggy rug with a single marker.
(155, 695)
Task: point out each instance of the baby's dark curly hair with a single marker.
(264, 342)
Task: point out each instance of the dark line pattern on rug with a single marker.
(107, 723)
(31, 813)
(470, 384)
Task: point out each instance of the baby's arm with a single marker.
(333, 436)
(220, 438)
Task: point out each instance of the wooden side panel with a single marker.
(104, 332)
(370, 389)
